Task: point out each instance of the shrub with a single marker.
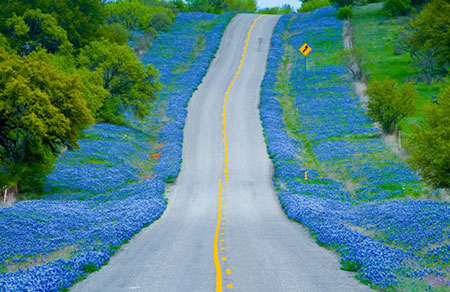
(342, 3)
(345, 12)
(396, 7)
(124, 76)
(161, 21)
(355, 60)
(429, 143)
(313, 4)
(389, 103)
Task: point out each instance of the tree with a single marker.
(209, 6)
(239, 5)
(432, 30)
(342, 3)
(396, 7)
(424, 60)
(313, 4)
(389, 104)
(345, 12)
(36, 29)
(285, 9)
(429, 144)
(136, 15)
(220, 6)
(355, 60)
(129, 82)
(80, 18)
(41, 110)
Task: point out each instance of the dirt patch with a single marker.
(359, 86)
(8, 196)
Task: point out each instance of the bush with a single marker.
(343, 3)
(429, 144)
(345, 12)
(161, 21)
(389, 103)
(131, 84)
(396, 7)
(313, 4)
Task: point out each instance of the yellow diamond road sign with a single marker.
(305, 49)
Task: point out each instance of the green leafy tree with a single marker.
(5, 44)
(80, 18)
(36, 29)
(91, 81)
(209, 6)
(239, 5)
(345, 12)
(129, 82)
(396, 7)
(389, 103)
(136, 15)
(41, 111)
(285, 9)
(220, 6)
(115, 33)
(425, 59)
(342, 3)
(313, 4)
(429, 144)
(432, 30)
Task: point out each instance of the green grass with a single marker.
(375, 35)
(350, 266)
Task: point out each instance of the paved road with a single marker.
(264, 250)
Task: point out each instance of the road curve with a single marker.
(264, 250)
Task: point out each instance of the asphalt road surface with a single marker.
(261, 249)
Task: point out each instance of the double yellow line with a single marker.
(219, 285)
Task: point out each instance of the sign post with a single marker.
(305, 50)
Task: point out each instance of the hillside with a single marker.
(101, 195)
(334, 175)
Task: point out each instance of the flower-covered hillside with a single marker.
(101, 195)
(350, 198)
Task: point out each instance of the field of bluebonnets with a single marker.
(100, 196)
(359, 198)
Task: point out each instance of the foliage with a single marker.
(389, 103)
(36, 29)
(343, 3)
(424, 60)
(41, 111)
(432, 31)
(221, 6)
(239, 5)
(429, 144)
(345, 12)
(91, 82)
(134, 15)
(5, 44)
(129, 82)
(285, 9)
(115, 33)
(396, 7)
(355, 60)
(80, 19)
(313, 4)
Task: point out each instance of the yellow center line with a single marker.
(226, 97)
(219, 285)
(216, 244)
